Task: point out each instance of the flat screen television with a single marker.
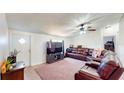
(54, 47)
(59, 49)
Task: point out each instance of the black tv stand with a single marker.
(55, 51)
(54, 57)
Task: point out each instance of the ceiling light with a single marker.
(3, 40)
(82, 32)
(22, 41)
(108, 26)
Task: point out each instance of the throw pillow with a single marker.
(99, 52)
(94, 54)
(90, 51)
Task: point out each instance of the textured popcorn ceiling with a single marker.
(60, 24)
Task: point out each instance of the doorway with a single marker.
(21, 42)
(109, 43)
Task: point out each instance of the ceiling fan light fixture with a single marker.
(108, 26)
(82, 32)
(82, 29)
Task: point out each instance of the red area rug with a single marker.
(61, 70)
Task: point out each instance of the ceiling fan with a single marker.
(85, 27)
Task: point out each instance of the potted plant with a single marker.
(13, 55)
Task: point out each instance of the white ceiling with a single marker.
(60, 24)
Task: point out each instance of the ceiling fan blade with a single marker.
(81, 25)
(91, 29)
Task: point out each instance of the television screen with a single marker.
(50, 50)
(59, 49)
(54, 47)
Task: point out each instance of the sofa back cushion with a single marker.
(74, 50)
(83, 51)
(94, 54)
(106, 69)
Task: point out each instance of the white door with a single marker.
(21, 42)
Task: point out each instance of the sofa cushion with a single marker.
(97, 59)
(89, 70)
(93, 64)
(82, 51)
(77, 56)
(74, 51)
(106, 69)
(79, 51)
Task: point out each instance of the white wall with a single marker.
(3, 37)
(90, 40)
(37, 45)
(121, 41)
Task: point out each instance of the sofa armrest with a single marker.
(85, 76)
(97, 59)
(117, 74)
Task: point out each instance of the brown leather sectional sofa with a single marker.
(83, 54)
(96, 69)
